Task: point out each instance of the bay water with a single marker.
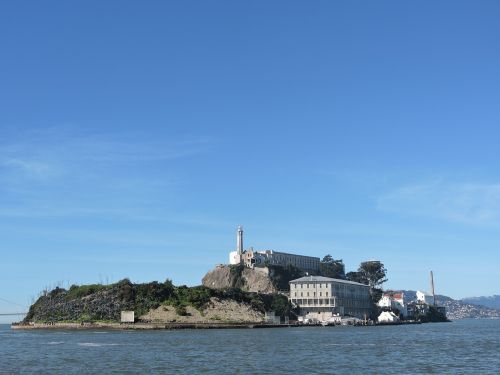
(460, 347)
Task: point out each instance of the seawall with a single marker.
(143, 326)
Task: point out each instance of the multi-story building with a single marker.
(251, 258)
(319, 298)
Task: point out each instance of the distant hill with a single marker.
(493, 302)
(459, 309)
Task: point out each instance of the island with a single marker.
(256, 289)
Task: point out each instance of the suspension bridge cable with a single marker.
(11, 302)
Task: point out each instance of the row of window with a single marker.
(320, 294)
(301, 286)
(337, 287)
(315, 302)
(330, 302)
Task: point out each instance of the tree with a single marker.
(373, 272)
(356, 277)
(333, 268)
(282, 275)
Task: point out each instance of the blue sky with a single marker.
(135, 138)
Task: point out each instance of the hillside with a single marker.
(458, 309)
(493, 302)
(162, 302)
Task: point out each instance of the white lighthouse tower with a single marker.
(235, 257)
(239, 240)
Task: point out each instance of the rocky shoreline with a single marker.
(141, 326)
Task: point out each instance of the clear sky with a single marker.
(136, 136)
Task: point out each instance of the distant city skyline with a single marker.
(135, 138)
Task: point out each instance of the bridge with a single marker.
(12, 313)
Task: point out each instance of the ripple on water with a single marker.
(97, 344)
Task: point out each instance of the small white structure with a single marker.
(424, 297)
(127, 317)
(388, 317)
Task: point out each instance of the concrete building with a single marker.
(320, 298)
(251, 258)
(424, 297)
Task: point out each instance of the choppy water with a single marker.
(462, 347)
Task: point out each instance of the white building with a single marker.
(251, 258)
(424, 297)
(320, 298)
(393, 301)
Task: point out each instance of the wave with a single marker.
(97, 344)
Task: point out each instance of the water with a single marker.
(461, 347)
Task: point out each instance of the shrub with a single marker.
(181, 310)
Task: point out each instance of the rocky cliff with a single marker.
(250, 280)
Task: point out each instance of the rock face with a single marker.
(216, 311)
(250, 280)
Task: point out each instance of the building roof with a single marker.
(325, 279)
(283, 253)
(394, 295)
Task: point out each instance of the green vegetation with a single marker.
(281, 276)
(333, 268)
(79, 291)
(236, 272)
(372, 273)
(432, 316)
(90, 303)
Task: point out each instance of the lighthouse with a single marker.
(239, 240)
(236, 256)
